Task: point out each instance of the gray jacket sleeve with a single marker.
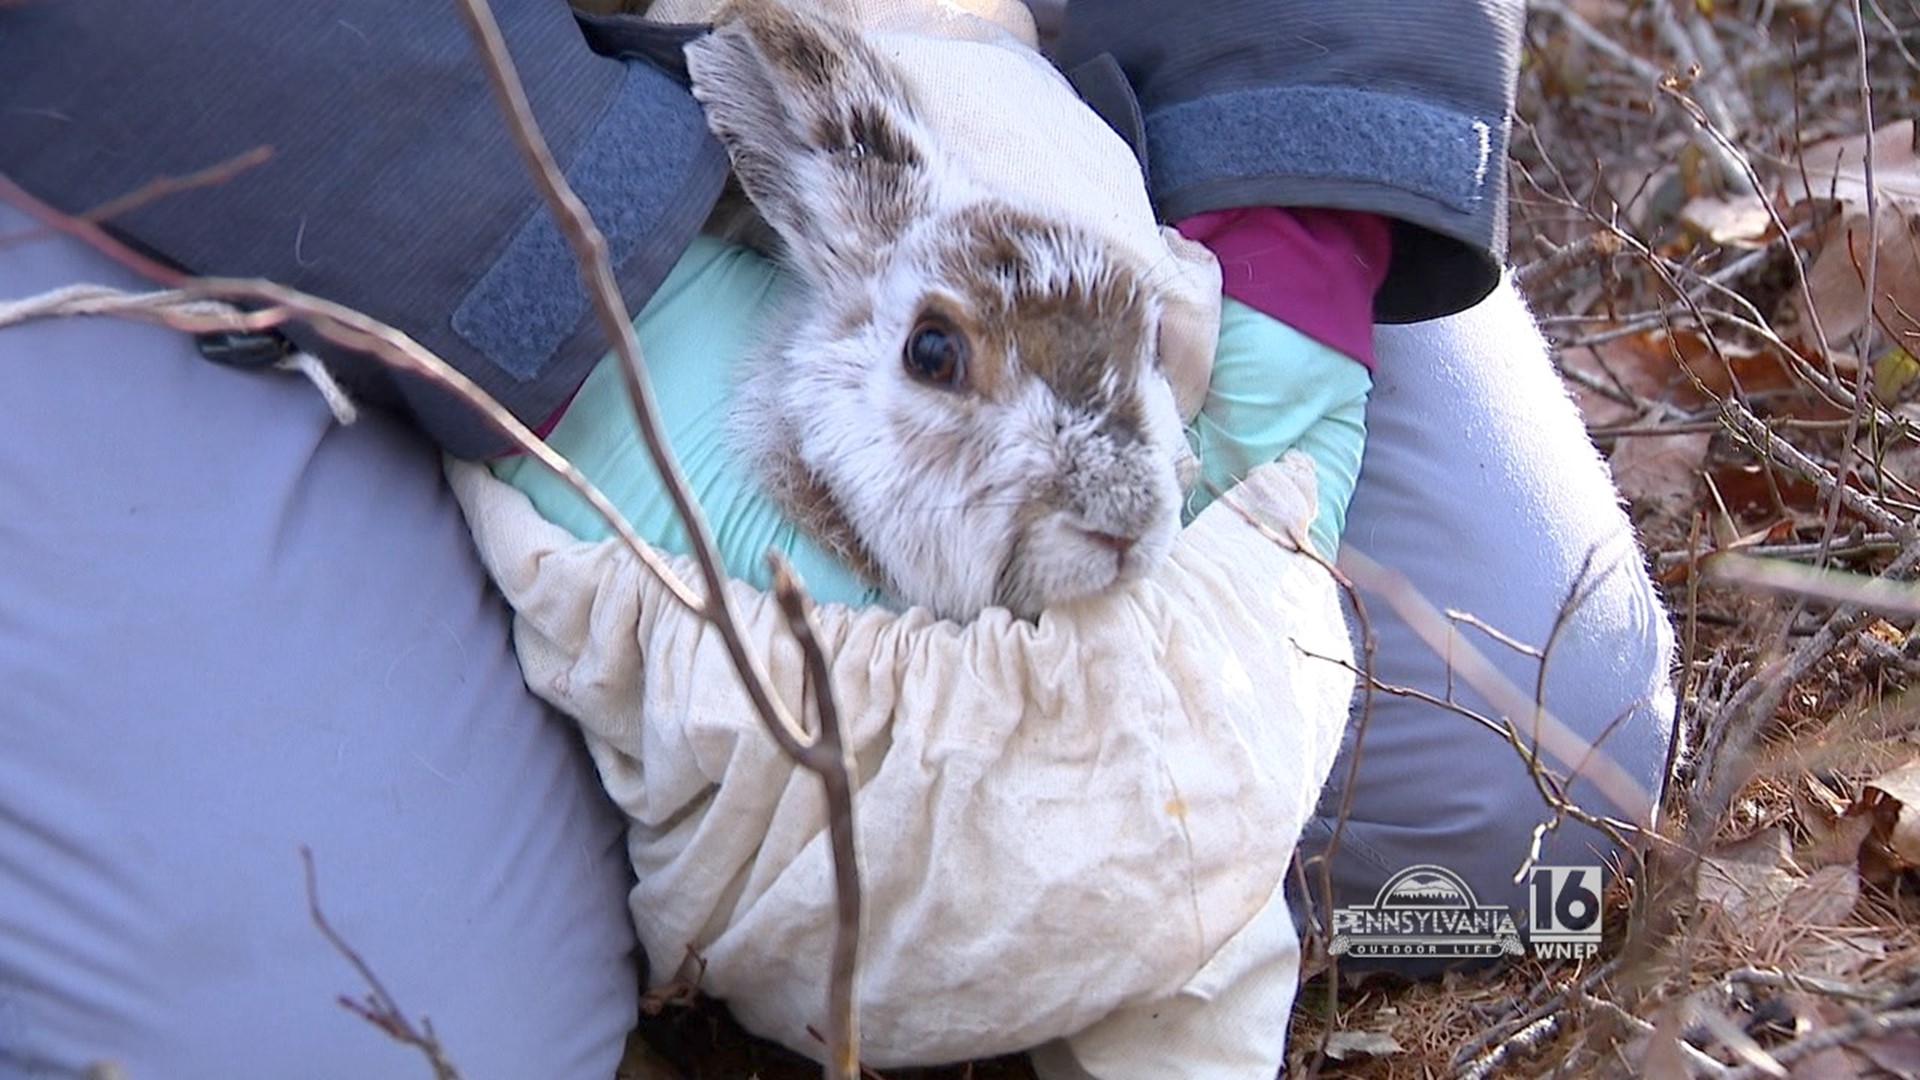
(392, 186)
(1399, 107)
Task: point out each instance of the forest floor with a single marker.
(1696, 221)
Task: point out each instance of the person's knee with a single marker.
(1594, 748)
(1459, 785)
(1555, 638)
(1606, 675)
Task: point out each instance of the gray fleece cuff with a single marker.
(531, 300)
(1325, 133)
(1439, 172)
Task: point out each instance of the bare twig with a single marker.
(1521, 1043)
(153, 191)
(1360, 721)
(1877, 543)
(204, 305)
(609, 307)
(1647, 73)
(1865, 1027)
(1553, 736)
(1736, 1041)
(193, 309)
(1696, 1060)
(1726, 146)
(829, 758)
(378, 1007)
(1526, 1013)
(1759, 696)
(1871, 276)
(830, 762)
(1880, 594)
(1785, 980)
(1756, 434)
(1592, 247)
(1598, 41)
(86, 232)
(1705, 63)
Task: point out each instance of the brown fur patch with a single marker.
(1069, 330)
(809, 505)
(874, 136)
(864, 134)
(792, 44)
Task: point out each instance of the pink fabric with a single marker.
(543, 429)
(1315, 270)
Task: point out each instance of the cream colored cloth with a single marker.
(1016, 128)
(1073, 829)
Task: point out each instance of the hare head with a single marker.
(962, 397)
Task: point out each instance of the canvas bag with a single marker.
(1075, 828)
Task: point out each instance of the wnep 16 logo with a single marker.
(1430, 911)
(1563, 912)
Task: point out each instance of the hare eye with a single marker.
(936, 353)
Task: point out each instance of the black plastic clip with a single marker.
(245, 349)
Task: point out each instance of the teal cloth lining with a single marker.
(1273, 389)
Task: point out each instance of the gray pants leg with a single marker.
(230, 629)
(1480, 485)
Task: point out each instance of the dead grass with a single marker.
(1775, 919)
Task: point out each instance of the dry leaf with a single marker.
(1747, 488)
(1832, 1063)
(1893, 375)
(1892, 801)
(1897, 1053)
(1823, 898)
(1837, 280)
(1887, 633)
(1754, 893)
(1344, 1044)
(1664, 1060)
(1766, 847)
(1655, 469)
(1834, 836)
(1747, 880)
(1742, 222)
(1659, 470)
(1837, 170)
(1838, 955)
(1814, 913)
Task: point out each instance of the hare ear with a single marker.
(820, 128)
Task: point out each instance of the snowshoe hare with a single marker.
(964, 399)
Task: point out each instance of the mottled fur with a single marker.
(1055, 469)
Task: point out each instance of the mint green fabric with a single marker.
(699, 326)
(1273, 389)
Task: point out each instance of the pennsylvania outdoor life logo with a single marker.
(1430, 911)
